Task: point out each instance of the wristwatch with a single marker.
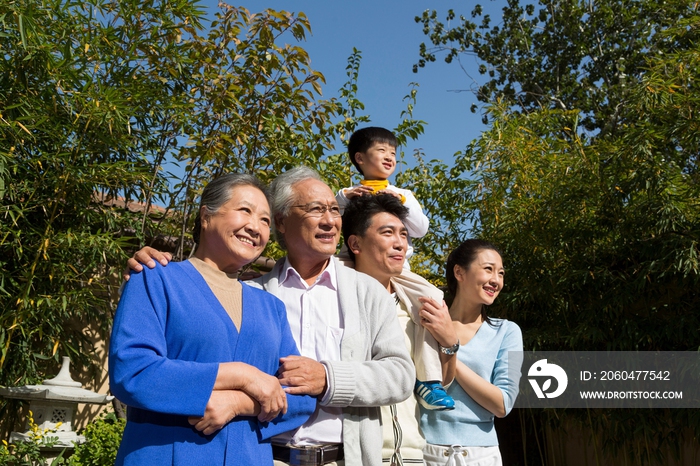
(450, 350)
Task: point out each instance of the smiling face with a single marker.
(380, 252)
(310, 239)
(237, 233)
(482, 281)
(378, 162)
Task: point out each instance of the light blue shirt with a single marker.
(469, 424)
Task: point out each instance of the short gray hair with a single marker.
(218, 192)
(282, 196)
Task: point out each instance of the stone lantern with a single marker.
(53, 405)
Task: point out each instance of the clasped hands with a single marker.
(264, 395)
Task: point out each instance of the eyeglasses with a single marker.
(316, 209)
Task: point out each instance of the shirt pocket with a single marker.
(334, 337)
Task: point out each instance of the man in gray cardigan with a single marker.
(363, 362)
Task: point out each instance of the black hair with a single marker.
(364, 138)
(359, 212)
(463, 255)
(218, 192)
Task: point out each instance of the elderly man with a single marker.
(377, 241)
(339, 317)
(353, 354)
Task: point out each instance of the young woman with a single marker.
(486, 380)
(194, 352)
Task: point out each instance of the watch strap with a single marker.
(449, 350)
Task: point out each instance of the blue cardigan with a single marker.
(170, 334)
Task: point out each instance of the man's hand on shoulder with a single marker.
(145, 256)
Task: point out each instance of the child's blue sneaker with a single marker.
(432, 395)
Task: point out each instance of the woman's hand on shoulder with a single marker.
(435, 317)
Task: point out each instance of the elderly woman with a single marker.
(194, 351)
(485, 386)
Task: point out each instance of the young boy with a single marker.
(373, 152)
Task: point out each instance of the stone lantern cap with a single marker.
(60, 388)
(43, 392)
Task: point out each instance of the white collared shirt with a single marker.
(317, 326)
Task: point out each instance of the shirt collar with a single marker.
(327, 278)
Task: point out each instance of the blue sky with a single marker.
(388, 37)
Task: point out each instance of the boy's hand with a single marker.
(387, 191)
(146, 256)
(357, 191)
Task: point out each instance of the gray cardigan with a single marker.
(375, 367)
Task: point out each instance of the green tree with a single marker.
(566, 54)
(97, 100)
(592, 222)
(257, 105)
(88, 96)
(590, 186)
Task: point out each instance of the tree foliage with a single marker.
(589, 183)
(566, 54)
(257, 107)
(593, 225)
(118, 102)
(87, 98)
(256, 104)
